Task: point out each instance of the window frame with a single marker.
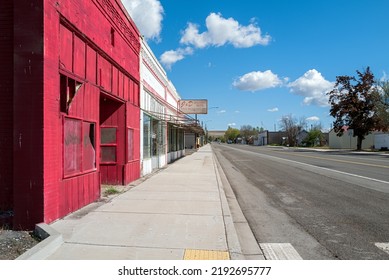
(147, 154)
(115, 145)
(69, 87)
(81, 170)
(130, 148)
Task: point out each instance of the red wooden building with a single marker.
(69, 106)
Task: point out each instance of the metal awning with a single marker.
(179, 120)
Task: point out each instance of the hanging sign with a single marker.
(196, 106)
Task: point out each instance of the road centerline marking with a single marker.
(337, 160)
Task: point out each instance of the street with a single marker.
(327, 205)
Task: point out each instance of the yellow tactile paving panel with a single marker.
(191, 254)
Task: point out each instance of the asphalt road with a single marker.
(328, 205)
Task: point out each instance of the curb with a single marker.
(249, 248)
(51, 241)
(233, 243)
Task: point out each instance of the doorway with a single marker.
(112, 139)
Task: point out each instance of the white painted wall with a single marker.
(159, 99)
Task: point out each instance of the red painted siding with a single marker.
(73, 39)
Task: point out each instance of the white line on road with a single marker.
(383, 246)
(279, 251)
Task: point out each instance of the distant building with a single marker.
(267, 137)
(216, 134)
(301, 137)
(348, 141)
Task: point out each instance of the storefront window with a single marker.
(146, 136)
(155, 137)
(162, 138)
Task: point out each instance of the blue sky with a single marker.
(256, 61)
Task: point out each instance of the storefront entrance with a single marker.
(112, 139)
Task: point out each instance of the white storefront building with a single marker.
(162, 136)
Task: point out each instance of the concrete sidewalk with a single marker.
(180, 212)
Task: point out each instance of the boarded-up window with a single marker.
(136, 95)
(91, 66)
(105, 73)
(66, 48)
(79, 57)
(130, 140)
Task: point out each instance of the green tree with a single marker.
(248, 133)
(231, 134)
(354, 104)
(314, 137)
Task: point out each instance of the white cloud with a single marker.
(255, 81)
(221, 111)
(275, 109)
(168, 58)
(313, 119)
(313, 87)
(232, 124)
(147, 15)
(221, 31)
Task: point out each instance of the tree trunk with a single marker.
(359, 143)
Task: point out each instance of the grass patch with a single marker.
(111, 190)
